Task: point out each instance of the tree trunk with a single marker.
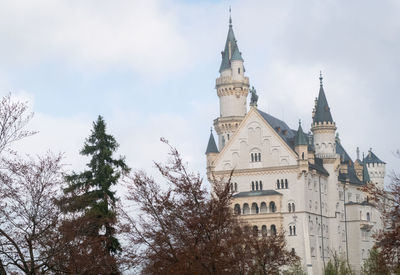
(2, 270)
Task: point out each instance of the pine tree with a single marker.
(91, 203)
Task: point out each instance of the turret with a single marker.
(232, 89)
(323, 127)
(301, 148)
(376, 168)
(211, 153)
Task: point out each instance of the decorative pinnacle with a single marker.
(299, 121)
(358, 153)
(211, 129)
(230, 17)
(320, 78)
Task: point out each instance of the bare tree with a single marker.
(183, 229)
(14, 116)
(28, 216)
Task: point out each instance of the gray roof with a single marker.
(318, 166)
(366, 177)
(300, 138)
(212, 146)
(280, 128)
(372, 158)
(256, 193)
(322, 110)
(236, 54)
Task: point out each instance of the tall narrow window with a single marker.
(252, 157)
(259, 156)
(282, 186)
(290, 231)
(277, 184)
(235, 186)
(368, 217)
(264, 230)
(290, 207)
(261, 187)
(255, 157)
(293, 207)
(256, 185)
(294, 230)
(273, 230)
(238, 70)
(252, 186)
(286, 184)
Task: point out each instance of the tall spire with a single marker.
(322, 110)
(231, 50)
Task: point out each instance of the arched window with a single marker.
(293, 207)
(259, 156)
(368, 217)
(256, 185)
(254, 208)
(235, 186)
(286, 184)
(261, 187)
(302, 155)
(255, 231)
(237, 209)
(264, 230)
(252, 157)
(246, 209)
(272, 207)
(231, 187)
(290, 231)
(263, 207)
(294, 230)
(282, 186)
(273, 230)
(255, 157)
(290, 207)
(252, 186)
(277, 184)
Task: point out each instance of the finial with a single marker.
(211, 129)
(320, 78)
(230, 17)
(358, 153)
(363, 156)
(299, 122)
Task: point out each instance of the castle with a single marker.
(285, 179)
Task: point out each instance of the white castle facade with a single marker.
(284, 179)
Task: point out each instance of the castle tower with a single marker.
(323, 127)
(211, 153)
(376, 168)
(232, 89)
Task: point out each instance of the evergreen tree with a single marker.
(91, 203)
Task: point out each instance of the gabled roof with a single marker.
(372, 158)
(256, 193)
(322, 110)
(235, 53)
(318, 166)
(212, 146)
(300, 138)
(343, 154)
(280, 127)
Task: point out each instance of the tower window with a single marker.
(261, 187)
(238, 70)
(252, 186)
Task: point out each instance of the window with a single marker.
(264, 230)
(261, 187)
(235, 186)
(252, 186)
(273, 230)
(256, 185)
(291, 207)
(246, 209)
(263, 207)
(238, 70)
(286, 184)
(237, 209)
(292, 230)
(254, 208)
(255, 231)
(259, 156)
(368, 217)
(282, 186)
(277, 184)
(272, 207)
(255, 157)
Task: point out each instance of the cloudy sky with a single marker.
(149, 67)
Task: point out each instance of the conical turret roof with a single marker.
(300, 138)
(212, 146)
(365, 174)
(231, 50)
(322, 110)
(372, 158)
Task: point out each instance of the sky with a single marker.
(149, 68)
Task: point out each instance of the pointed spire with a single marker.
(358, 153)
(300, 138)
(322, 110)
(231, 50)
(365, 174)
(212, 146)
(372, 158)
